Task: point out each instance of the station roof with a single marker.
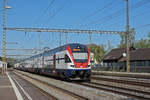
(135, 54)
(114, 54)
(141, 54)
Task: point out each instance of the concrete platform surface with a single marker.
(6, 89)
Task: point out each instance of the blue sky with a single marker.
(74, 14)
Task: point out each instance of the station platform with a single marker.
(6, 89)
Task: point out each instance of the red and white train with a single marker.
(68, 62)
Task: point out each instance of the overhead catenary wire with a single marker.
(116, 14)
(142, 26)
(142, 13)
(139, 4)
(48, 8)
(56, 12)
(109, 5)
(118, 21)
(100, 9)
(45, 11)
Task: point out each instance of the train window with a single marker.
(58, 60)
(78, 48)
(67, 59)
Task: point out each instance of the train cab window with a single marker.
(67, 59)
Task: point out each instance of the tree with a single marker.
(149, 37)
(143, 43)
(131, 38)
(98, 51)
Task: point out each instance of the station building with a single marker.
(139, 59)
(3, 64)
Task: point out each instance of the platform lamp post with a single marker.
(4, 37)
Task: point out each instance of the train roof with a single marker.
(57, 49)
(64, 46)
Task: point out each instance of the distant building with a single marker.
(3, 64)
(139, 59)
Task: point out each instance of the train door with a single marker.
(54, 64)
(43, 64)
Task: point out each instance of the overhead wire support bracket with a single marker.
(65, 30)
(18, 55)
(21, 49)
(66, 37)
(90, 37)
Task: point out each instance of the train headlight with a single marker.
(73, 66)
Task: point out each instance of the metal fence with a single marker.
(99, 67)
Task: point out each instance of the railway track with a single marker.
(122, 81)
(51, 97)
(124, 86)
(133, 93)
(103, 83)
(130, 75)
(73, 95)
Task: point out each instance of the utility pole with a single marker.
(90, 36)
(66, 37)
(60, 39)
(39, 37)
(4, 37)
(127, 37)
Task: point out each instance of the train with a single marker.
(69, 62)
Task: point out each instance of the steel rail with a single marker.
(57, 88)
(122, 75)
(122, 81)
(113, 90)
(51, 97)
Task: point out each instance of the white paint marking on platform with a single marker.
(19, 96)
(27, 95)
(6, 86)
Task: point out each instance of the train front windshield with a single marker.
(80, 53)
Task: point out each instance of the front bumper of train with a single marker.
(73, 73)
